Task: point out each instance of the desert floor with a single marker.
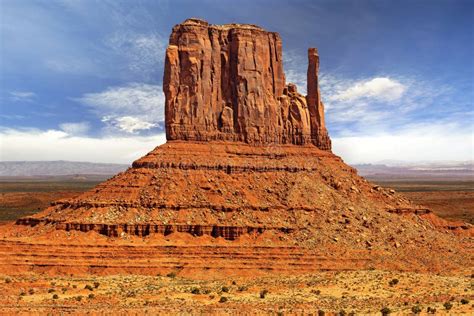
(335, 293)
(359, 292)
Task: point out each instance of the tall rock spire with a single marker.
(319, 134)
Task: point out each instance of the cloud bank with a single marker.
(130, 109)
(429, 142)
(59, 145)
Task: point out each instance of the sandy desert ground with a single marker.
(340, 293)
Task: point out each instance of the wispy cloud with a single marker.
(380, 103)
(23, 96)
(129, 124)
(131, 108)
(78, 128)
(144, 53)
(295, 70)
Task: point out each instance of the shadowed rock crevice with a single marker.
(143, 230)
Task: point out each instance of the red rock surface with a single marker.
(226, 82)
(246, 183)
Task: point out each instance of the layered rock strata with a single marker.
(226, 82)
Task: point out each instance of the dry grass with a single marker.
(365, 292)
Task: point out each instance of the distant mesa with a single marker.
(58, 168)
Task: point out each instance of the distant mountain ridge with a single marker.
(415, 170)
(57, 168)
(386, 169)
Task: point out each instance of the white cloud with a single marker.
(129, 124)
(79, 128)
(26, 96)
(425, 142)
(413, 143)
(144, 53)
(379, 104)
(133, 98)
(379, 88)
(295, 70)
(58, 145)
(129, 108)
(298, 78)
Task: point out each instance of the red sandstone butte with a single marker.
(246, 184)
(226, 82)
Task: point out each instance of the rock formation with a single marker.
(246, 182)
(227, 83)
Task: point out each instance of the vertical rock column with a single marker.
(319, 134)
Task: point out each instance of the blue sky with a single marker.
(81, 79)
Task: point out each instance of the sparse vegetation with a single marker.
(8, 280)
(393, 282)
(171, 275)
(259, 294)
(55, 296)
(89, 287)
(448, 306)
(223, 299)
(96, 284)
(131, 294)
(416, 309)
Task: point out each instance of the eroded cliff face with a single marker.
(226, 82)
